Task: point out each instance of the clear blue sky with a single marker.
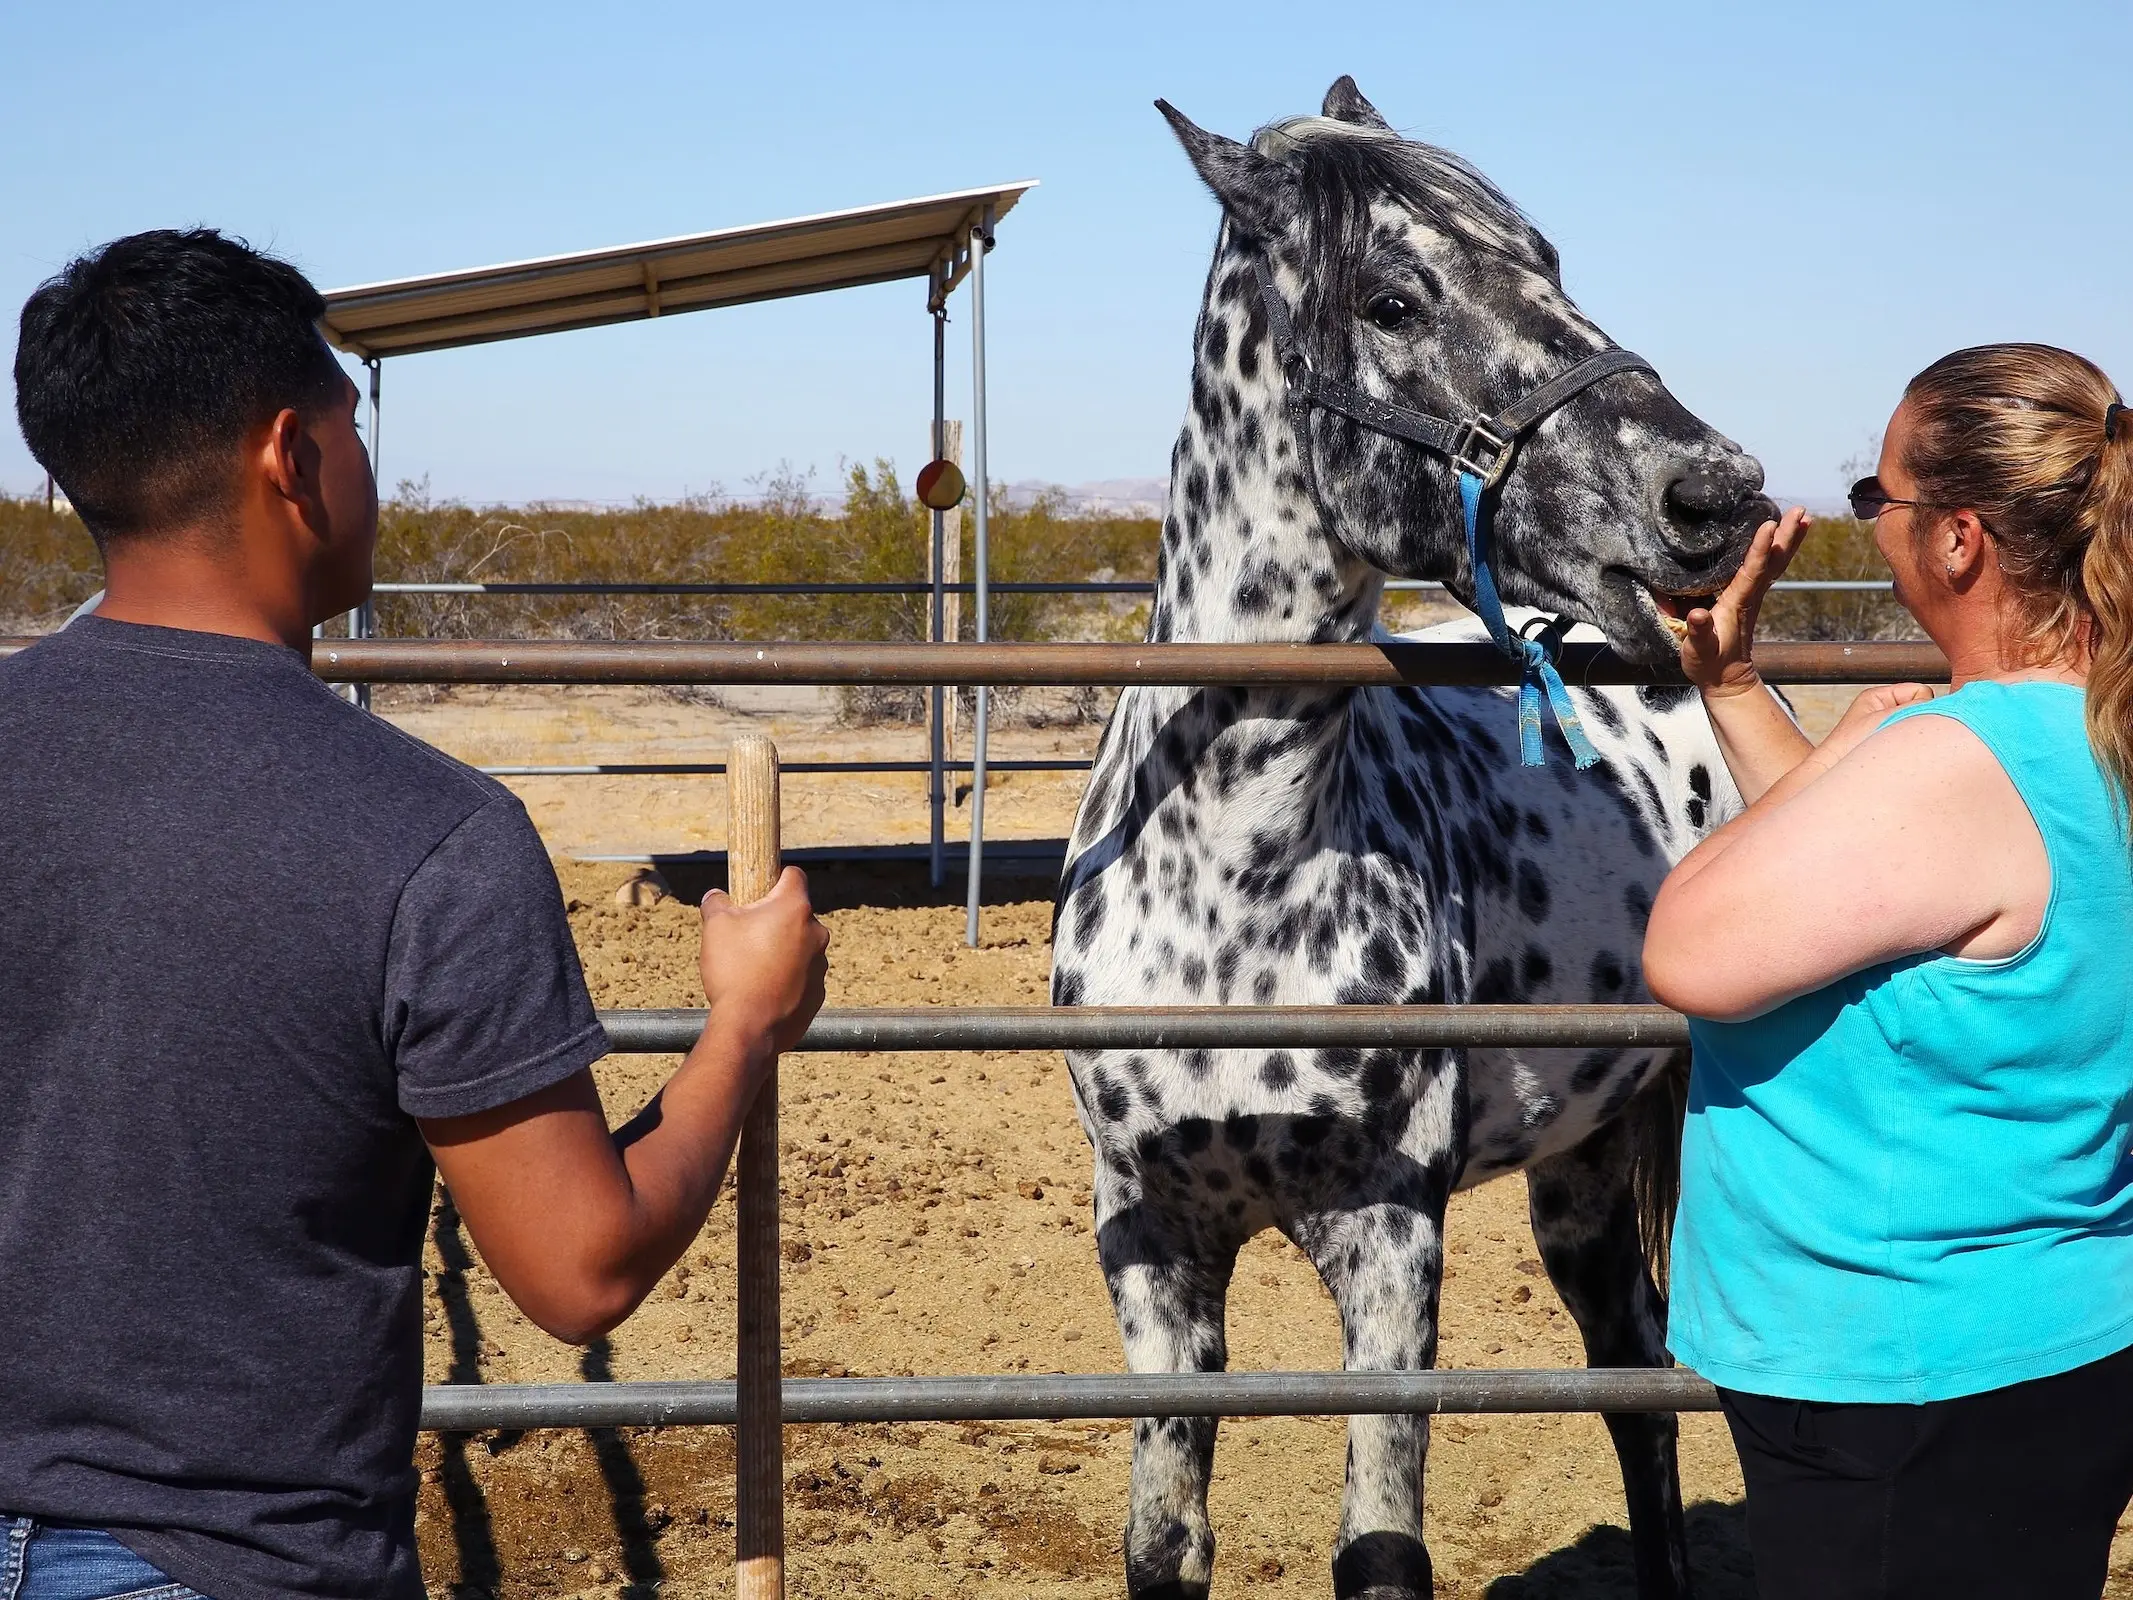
(1790, 208)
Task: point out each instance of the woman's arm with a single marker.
(1763, 748)
(1915, 840)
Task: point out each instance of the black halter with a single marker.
(1480, 449)
(1482, 446)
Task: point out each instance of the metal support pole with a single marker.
(752, 852)
(980, 243)
(937, 793)
(362, 622)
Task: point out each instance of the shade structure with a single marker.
(923, 238)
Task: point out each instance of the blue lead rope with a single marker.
(1536, 657)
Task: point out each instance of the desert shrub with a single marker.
(1838, 547)
(877, 535)
(48, 565)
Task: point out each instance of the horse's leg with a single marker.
(1584, 1210)
(1169, 1286)
(1383, 1263)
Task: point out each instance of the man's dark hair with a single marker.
(143, 366)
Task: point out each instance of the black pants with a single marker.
(2011, 1493)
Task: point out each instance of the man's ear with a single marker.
(1345, 103)
(288, 459)
(279, 455)
(1258, 193)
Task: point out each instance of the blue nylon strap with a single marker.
(1536, 657)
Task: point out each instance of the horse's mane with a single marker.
(1342, 167)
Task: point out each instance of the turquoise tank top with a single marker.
(1917, 1183)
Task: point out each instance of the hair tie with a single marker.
(2111, 414)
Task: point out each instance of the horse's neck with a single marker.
(1245, 556)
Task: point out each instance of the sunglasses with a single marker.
(1869, 499)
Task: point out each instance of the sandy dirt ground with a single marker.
(936, 1220)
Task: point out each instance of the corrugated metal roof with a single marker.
(837, 250)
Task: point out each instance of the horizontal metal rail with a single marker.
(1224, 665)
(1090, 586)
(644, 661)
(465, 1407)
(1122, 586)
(652, 769)
(1239, 665)
(1187, 1028)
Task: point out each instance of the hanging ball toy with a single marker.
(940, 485)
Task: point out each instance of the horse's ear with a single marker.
(1345, 103)
(1258, 192)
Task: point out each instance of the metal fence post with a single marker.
(362, 622)
(937, 784)
(981, 490)
(752, 852)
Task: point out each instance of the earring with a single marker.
(1951, 569)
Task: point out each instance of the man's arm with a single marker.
(577, 1223)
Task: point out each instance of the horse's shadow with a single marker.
(1598, 1566)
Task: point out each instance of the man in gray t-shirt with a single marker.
(262, 958)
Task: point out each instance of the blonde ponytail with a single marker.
(2106, 516)
(2035, 441)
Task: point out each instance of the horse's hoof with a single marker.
(1383, 1566)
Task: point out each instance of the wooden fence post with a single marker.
(752, 865)
(950, 448)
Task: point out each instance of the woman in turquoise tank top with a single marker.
(1905, 1244)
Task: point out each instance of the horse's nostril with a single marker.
(1696, 496)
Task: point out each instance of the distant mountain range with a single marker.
(1118, 497)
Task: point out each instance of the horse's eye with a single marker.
(1391, 312)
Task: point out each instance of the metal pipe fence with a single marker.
(1055, 1397)
(889, 1028)
(760, 1402)
(1102, 665)
(1088, 586)
(649, 769)
(1246, 666)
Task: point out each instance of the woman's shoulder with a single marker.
(2026, 724)
(1933, 747)
(1987, 700)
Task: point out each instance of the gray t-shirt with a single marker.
(248, 934)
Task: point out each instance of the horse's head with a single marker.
(1408, 276)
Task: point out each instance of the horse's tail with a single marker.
(1655, 1118)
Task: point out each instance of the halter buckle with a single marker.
(1469, 440)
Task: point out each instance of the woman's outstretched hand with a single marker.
(1718, 641)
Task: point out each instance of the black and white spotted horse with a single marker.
(1299, 845)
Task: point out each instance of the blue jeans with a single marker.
(44, 1562)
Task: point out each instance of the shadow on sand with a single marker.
(840, 879)
(635, 1530)
(473, 1534)
(1598, 1566)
